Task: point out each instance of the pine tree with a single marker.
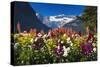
(89, 17)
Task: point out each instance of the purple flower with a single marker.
(59, 50)
(87, 48)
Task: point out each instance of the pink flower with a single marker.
(18, 27)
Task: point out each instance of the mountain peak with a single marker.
(58, 20)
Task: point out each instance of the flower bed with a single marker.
(56, 46)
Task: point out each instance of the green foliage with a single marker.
(89, 17)
(75, 54)
(51, 44)
(23, 54)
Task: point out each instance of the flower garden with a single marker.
(55, 46)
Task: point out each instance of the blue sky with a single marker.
(55, 9)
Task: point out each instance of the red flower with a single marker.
(90, 36)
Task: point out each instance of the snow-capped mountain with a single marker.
(60, 20)
(66, 21)
(56, 21)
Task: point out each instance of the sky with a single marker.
(55, 9)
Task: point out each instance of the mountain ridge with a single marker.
(66, 21)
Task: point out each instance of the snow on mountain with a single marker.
(61, 19)
(56, 21)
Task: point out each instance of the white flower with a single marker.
(95, 36)
(22, 61)
(58, 40)
(16, 35)
(66, 51)
(90, 41)
(45, 36)
(29, 46)
(68, 39)
(71, 44)
(94, 49)
(36, 39)
(16, 44)
(64, 35)
(25, 32)
(76, 35)
(94, 44)
(39, 34)
(62, 42)
(64, 47)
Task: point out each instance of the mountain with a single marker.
(61, 20)
(26, 16)
(66, 21)
(57, 21)
(76, 25)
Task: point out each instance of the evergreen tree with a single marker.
(89, 17)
